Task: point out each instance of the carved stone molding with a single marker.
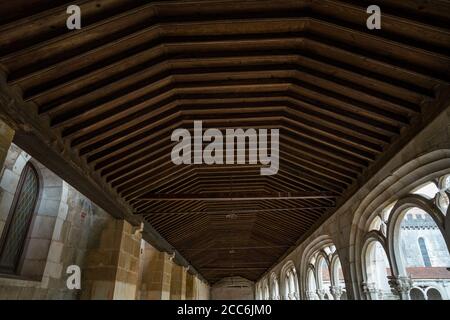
(401, 286)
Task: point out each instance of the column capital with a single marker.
(369, 287)
(171, 256)
(336, 291)
(370, 290)
(321, 293)
(400, 285)
(311, 295)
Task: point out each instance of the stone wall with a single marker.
(69, 229)
(424, 157)
(233, 288)
(178, 283)
(203, 290)
(59, 235)
(190, 286)
(111, 270)
(412, 231)
(155, 274)
(6, 136)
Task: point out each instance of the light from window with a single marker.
(424, 251)
(19, 220)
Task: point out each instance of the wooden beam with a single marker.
(234, 211)
(33, 136)
(242, 196)
(235, 248)
(234, 269)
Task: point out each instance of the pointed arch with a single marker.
(19, 221)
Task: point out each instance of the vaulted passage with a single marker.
(333, 114)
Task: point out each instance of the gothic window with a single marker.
(19, 220)
(266, 292)
(275, 288)
(377, 271)
(416, 294)
(424, 252)
(433, 294)
(339, 278)
(323, 278)
(291, 283)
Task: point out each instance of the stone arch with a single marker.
(370, 276)
(289, 273)
(274, 287)
(411, 174)
(417, 293)
(334, 261)
(311, 283)
(258, 291)
(340, 292)
(265, 291)
(321, 256)
(374, 236)
(395, 219)
(305, 257)
(433, 293)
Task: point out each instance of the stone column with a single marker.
(190, 290)
(160, 277)
(112, 264)
(178, 283)
(6, 137)
(310, 295)
(155, 274)
(321, 294)
(336, 291)
(400, 286)
(370, 291)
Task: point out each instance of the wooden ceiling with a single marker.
(345, 98)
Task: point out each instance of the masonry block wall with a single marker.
(155, 274)
(6, 136)
(69, 229)
(203, 291)
(113, 263)
(178, 283)
(190, 286)
(233, 288)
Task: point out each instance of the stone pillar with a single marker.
(6, 137)
(178, 283)
(155, 273)
(157, 277)
(310, 295)
(190, 289)
(336, 291)
(370, 291)
(202, 290)
(183, 282)
(321, 294)
(400, 286)
(112, 264)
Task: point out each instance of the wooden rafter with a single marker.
(98, 106)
